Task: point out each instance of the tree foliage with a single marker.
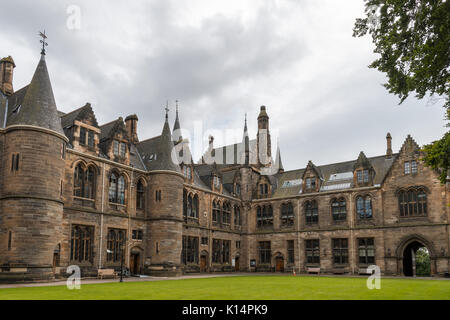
(412, 38)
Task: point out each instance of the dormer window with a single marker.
(263, 189)
(216, 182)
(362, 176)
(86, 137)
(119, 149)
(237, 189)
(311, 183)
(187, 172)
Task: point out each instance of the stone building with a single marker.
(73, 192)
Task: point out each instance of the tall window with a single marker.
(15, 162)
(116, 244)
(140, 203)
(190, 205)
(237, 189)
(82, 135)
(312, 250)
(311, 212)
(340, 251)
(117, 189)
(119, 148)
(366, 251)
(237, 216)
(226, 213)
(216, 212)
(264, 216)
(339, 209)
(364, 207)
(189, 251)
(290, 251)
(90, 138)
(84, 182)
(412, 202)
(221, 251)
(81, 243)
(264, 252)
(287, 214)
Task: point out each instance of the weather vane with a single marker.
(176, 102)
(44, 44)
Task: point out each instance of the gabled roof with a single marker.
(109, 128)
(362, 162)
(78, 114)
(38, 107)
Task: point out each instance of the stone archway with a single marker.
(279, 262)
(204, 261)
(407, 252)
(135, 260)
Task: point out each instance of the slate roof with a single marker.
(38, 107)
(380, 164)
(162, 148)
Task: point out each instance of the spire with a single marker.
(176, 127)
(38, 106)
(166, 151)
(278, 163)
(246, 142)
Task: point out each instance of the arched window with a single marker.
(116, 189)
(264, 216)
(412, 202)
(226, 213)
(311, 212)
(287, 214)
(185, 204)
(237, 189)
(83, 182)
(339, 209)
(195, 207)
(364, 207)
(140, 198)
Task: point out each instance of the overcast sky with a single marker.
(222, 59)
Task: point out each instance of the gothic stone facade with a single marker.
(73, 192)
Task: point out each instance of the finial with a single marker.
(167, 110)
(176, 102)
(44, 44)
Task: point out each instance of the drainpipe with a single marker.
(101, 219)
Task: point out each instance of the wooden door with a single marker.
(279, 267)
(134, 263)
(236, 264)
(203, 264)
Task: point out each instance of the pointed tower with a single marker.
(263, 138)
(177, 137)
(32, 206)
(278, 163)
(166, 210)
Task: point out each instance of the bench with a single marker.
(106, 272)
(313, 270)
(364, 271)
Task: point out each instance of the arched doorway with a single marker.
(236, 264)
(416, 260)
(135, 260)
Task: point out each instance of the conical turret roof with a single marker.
(38, 107)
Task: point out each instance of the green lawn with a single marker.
(243, 287)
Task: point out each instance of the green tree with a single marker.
(423, 266)
(412, 38)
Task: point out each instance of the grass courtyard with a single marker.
(241, 287)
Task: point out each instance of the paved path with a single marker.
(194, 276)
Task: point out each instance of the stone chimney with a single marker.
(7, 66)
(131, 125)
(389, 146)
